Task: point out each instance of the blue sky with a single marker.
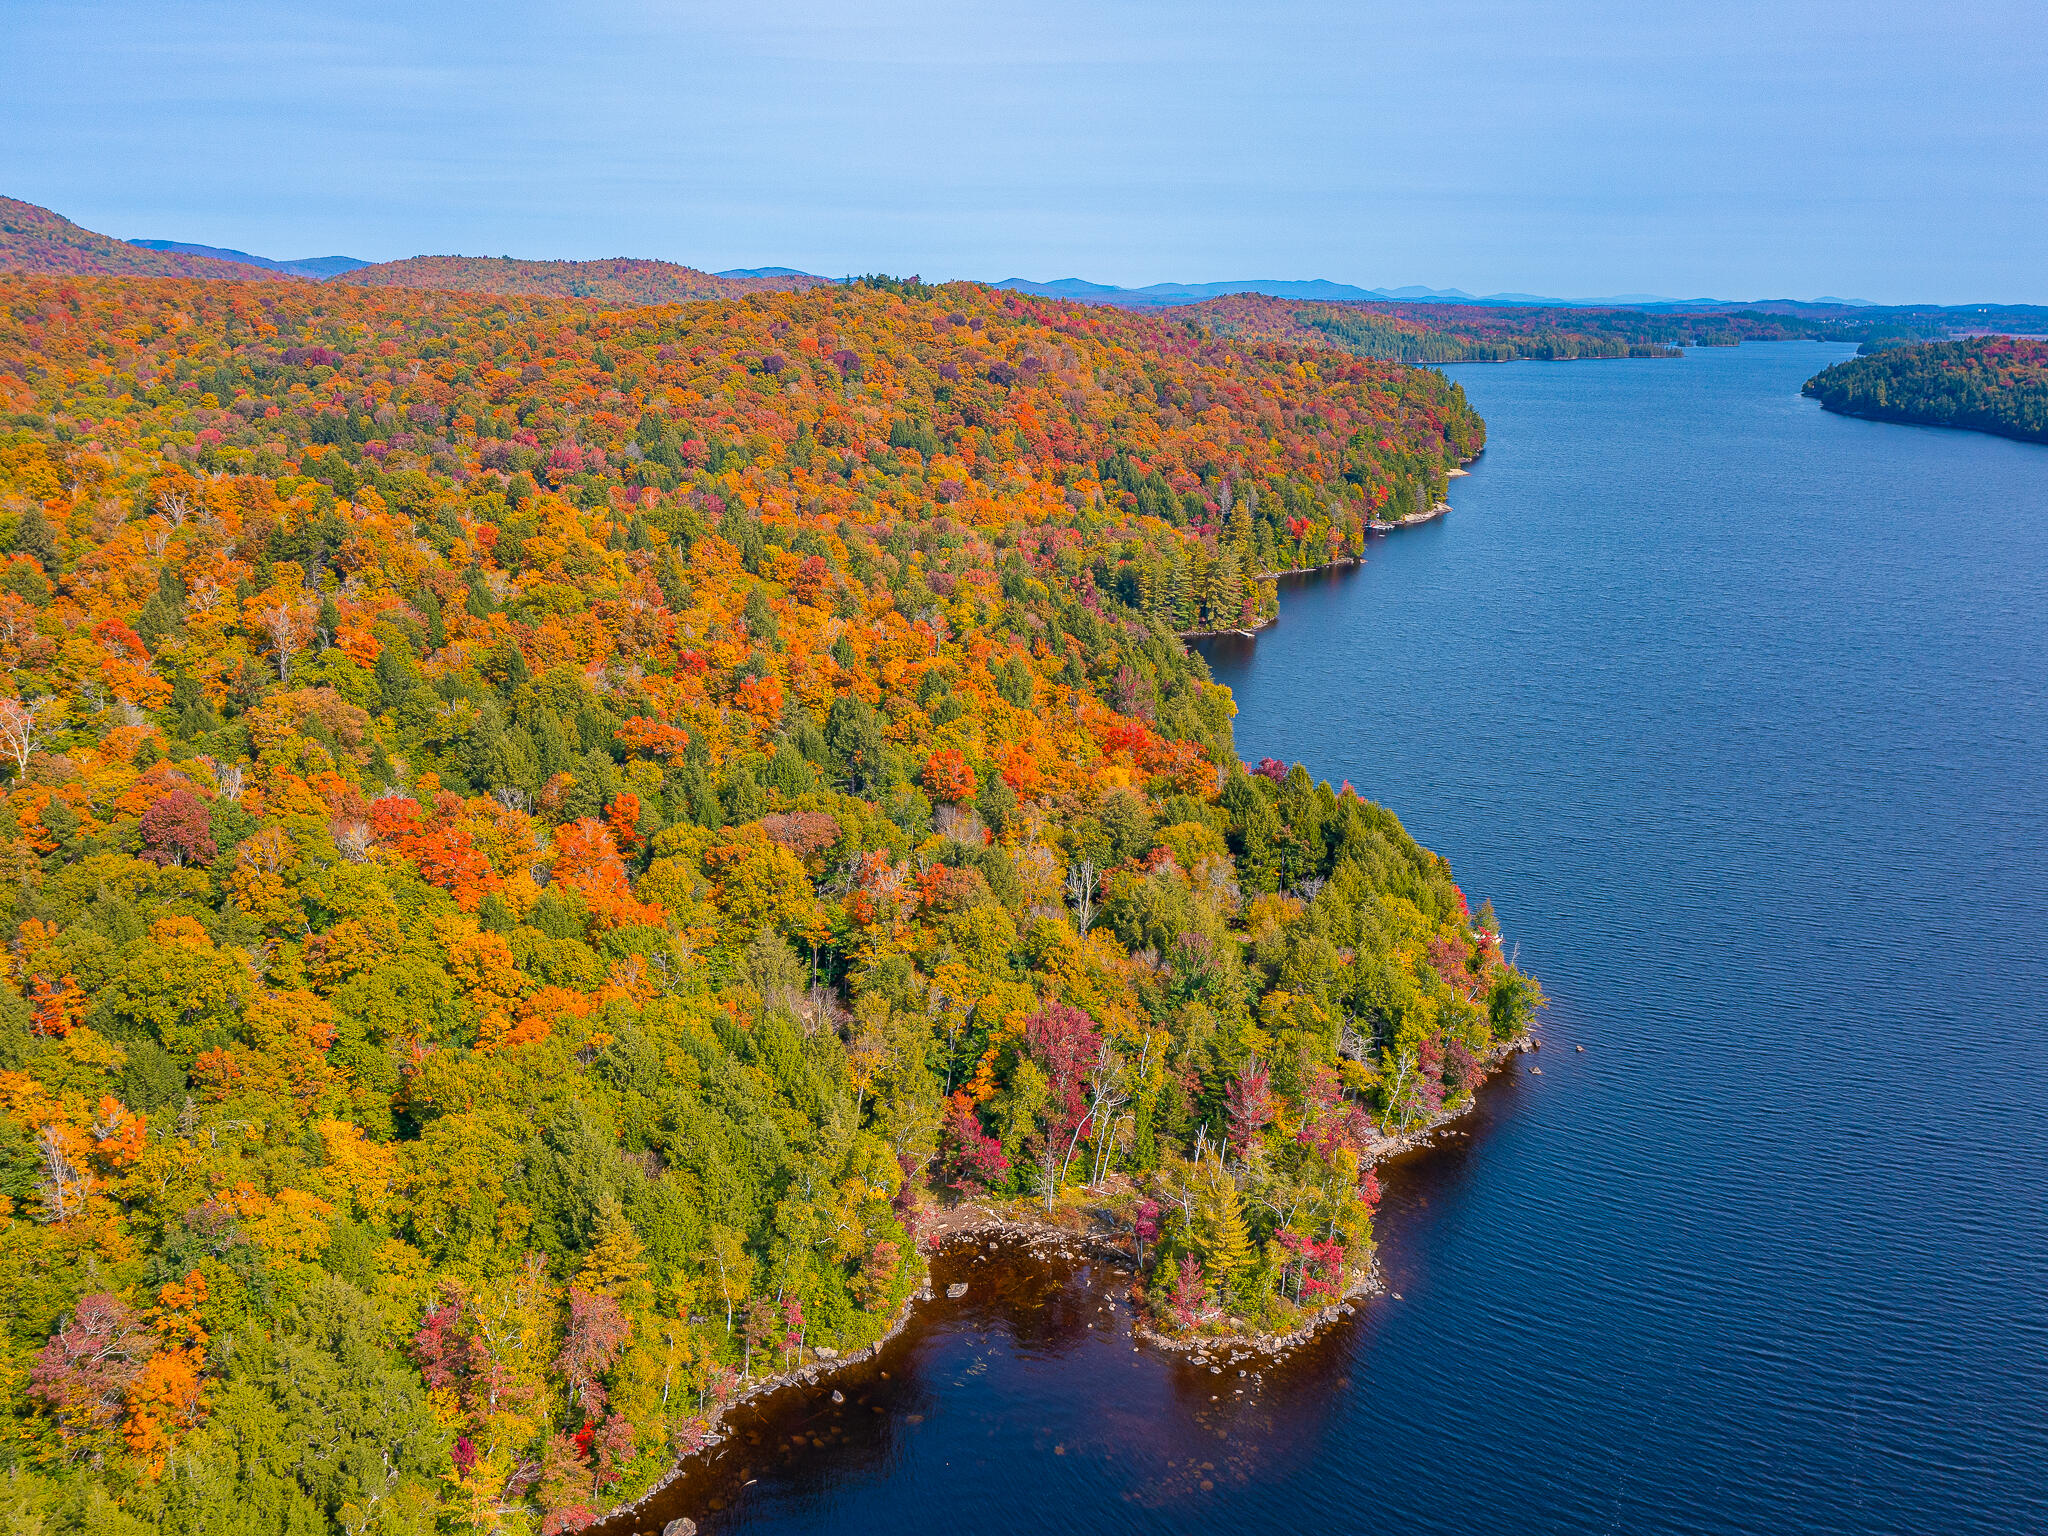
(1891, 151)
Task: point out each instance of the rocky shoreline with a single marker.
(966, 1221)
(1271, 1346)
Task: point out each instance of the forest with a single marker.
(542, 839)
(1471, 333)
(1996, 384)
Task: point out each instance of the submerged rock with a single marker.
(956, 1290)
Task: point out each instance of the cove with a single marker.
(1738, 712)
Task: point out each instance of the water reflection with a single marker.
(1034, 1381)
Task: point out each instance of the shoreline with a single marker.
(1370, 1282)
(2013, 434)
(1252, 631)
(963, 1220)
(966, 1220)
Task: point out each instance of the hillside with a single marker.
(540, 838)
(1444, 333)
(618, 281)
(33, 239)
(1996, 384)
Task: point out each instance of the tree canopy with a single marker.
(1996, 384)
(538, 836)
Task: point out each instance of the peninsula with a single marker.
(1996, 384)
(545, 836)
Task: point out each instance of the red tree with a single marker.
(597, 1331)
(948, 777)
(1189, 1295)
(176, 829)
(1145, 1226)
(1249, 1102)
(976, 1158)
(1065, 1043)
(441, 1346)
(83, 1374)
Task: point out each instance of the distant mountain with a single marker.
(320, 268)
(33, 239)
(1325, 291)
(1437, 295)
(317, 268)
(1192, 293)
(621, 280)
(771, 272)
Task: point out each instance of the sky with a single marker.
(1890, 151)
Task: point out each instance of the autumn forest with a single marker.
(543, 840)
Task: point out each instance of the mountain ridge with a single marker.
(1327, 290)
(318, 268)
(39, 240)
(618, 279)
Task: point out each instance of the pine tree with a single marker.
(1180, 590)
(33, 537)
(1226, 588)
(1219, 1230)
(616, 1264)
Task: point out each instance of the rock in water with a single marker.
(956, 1290)
(684, 1526)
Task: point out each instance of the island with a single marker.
(1996, 384)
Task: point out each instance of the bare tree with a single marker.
(1081, 892)
(352, 840)
(65, 1187)
(1106, 1095)
(288, 625)
(21, 729)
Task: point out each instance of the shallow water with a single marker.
(1739, 713)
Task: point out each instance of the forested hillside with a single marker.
(33, 239)
(620, 281)
(538, 839)
(1993, 384)
(1465, 333)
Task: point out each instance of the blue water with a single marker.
(1738, 711)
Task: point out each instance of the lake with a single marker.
(1738, 712)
